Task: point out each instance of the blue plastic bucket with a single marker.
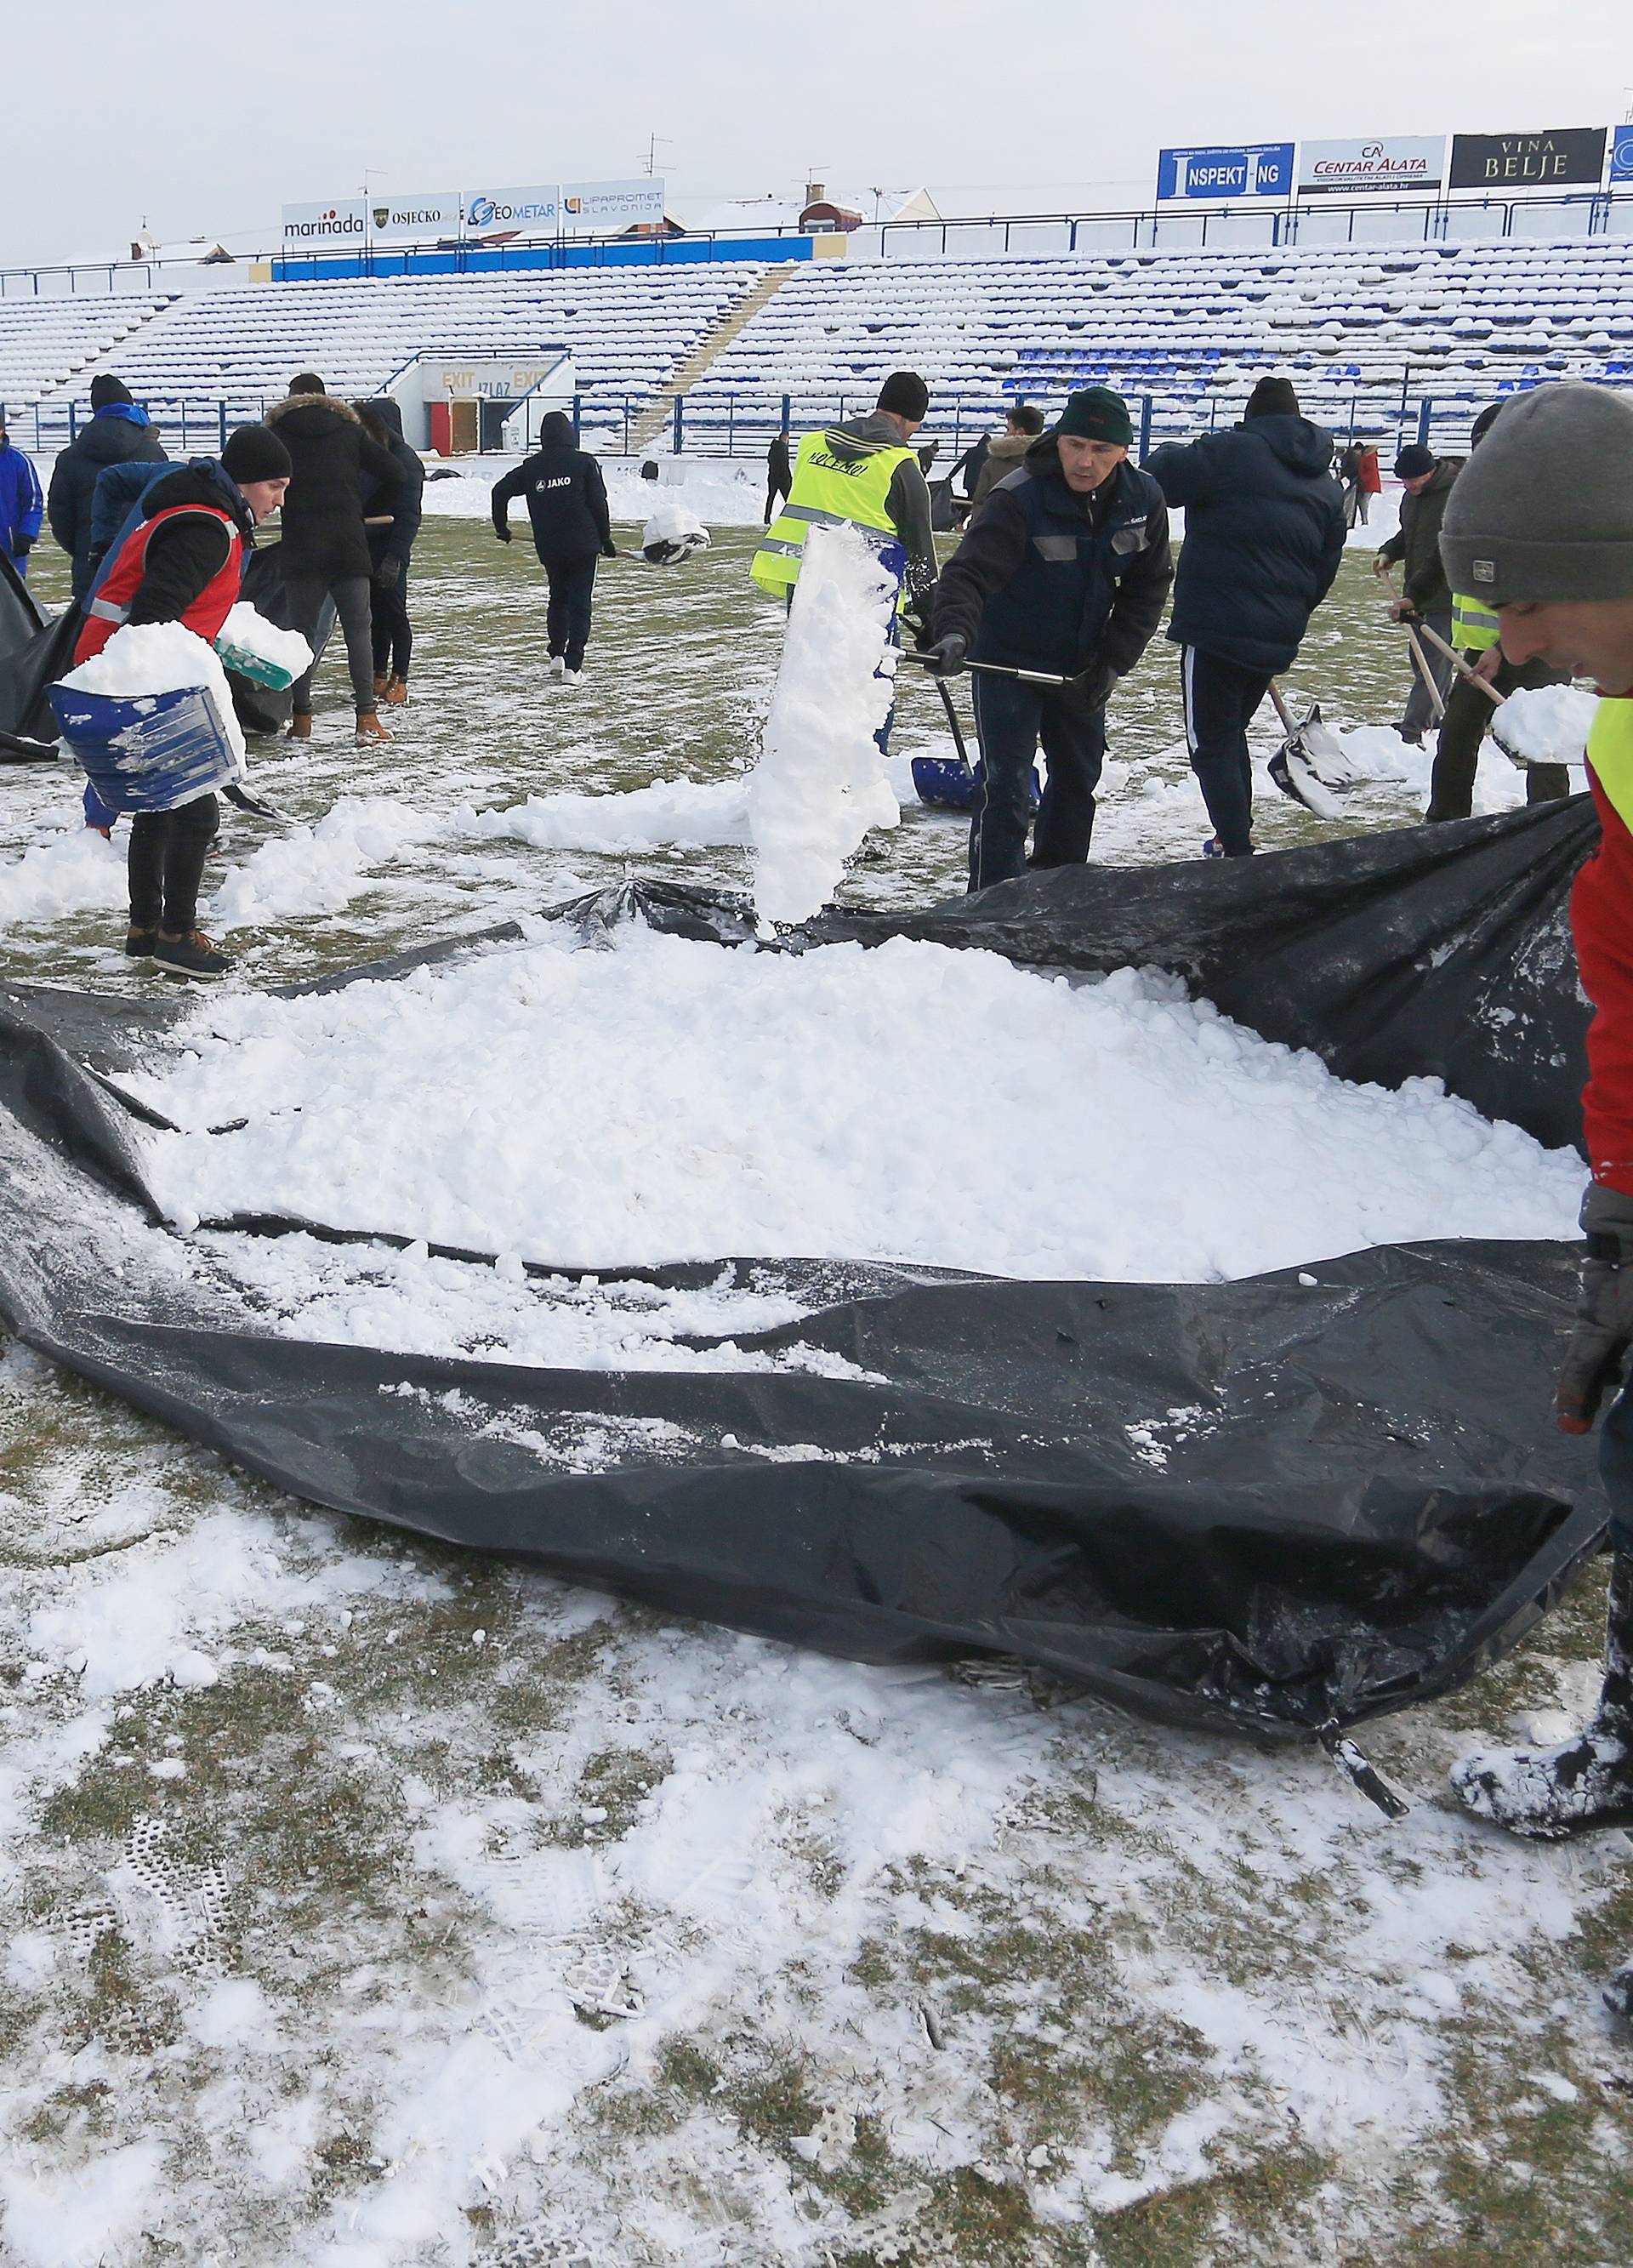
(152, 752)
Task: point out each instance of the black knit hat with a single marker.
(1414, 461)
(1486, 420)
(254, 452)
(106, 390)
(1272, 397)
(307, 381)
(904, 395)
(1097, 413)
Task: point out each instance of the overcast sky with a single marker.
(205, 118)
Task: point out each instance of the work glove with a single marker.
(1597, 1355)
(609, 551)
(945, 658)
(389, 574)
(1094, 687)
(21, 545)
(504, 533)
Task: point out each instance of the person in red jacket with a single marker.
(1368, 479)
(1540, 527)
(184, 562)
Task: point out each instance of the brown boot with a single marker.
(380, 682)
(299, 726)
(370, 727)
(395, 690)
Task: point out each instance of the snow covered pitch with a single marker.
(375, 1908)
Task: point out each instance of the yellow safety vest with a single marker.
(1474, 627)
(828, 490)
(1610, 754)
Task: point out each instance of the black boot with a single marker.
(1587, 1782)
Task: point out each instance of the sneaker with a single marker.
(139, 943)
(193, 955)
(1213, 847)
(558, 667)
(573, 676)
(370, 727)
(299, 727)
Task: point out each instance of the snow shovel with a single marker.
(1310, 767)
(1437, 699)
(996, 669)
(948, 784)
(258, 805)
(1462, 668)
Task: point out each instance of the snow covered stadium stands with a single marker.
(47, 343)
(628, 329)
(1359, 328)
(1367, 331)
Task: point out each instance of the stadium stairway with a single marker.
(654, 420)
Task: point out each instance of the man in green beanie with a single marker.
(1063, 570)
(1540, 527)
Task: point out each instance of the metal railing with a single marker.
(1384, 404)
(1253, 223)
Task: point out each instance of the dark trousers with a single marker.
(1467, 721)
(1418, 717)
(166, 864)
(776, 490)
(393, 634)
(350, 594)
(1615, 1467)
(1221, 701)
(1011, 720)
(567, 620)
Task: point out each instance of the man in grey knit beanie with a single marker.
(1541, 527)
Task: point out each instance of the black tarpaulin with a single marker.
(1262, 1505)
(33, 649)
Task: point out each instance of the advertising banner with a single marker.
(413, 220)
(324, 227)
(592, 208)
(1396, 161)
(1265, 170)
(1565, 154)
(1622, 154)
(531, 212)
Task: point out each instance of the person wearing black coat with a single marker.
(119, 433)
(1063, 570)
(1264, 532)
(779, 473)
(572, 528)
(326, 545)
(389, 547)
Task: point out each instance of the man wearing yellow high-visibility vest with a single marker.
(1468, 713)
(862, 471)
(1541, 527)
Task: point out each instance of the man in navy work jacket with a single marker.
(1264, 532)
(1063, 569)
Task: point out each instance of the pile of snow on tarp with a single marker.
(1270, 1503)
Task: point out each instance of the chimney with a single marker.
(815, 192)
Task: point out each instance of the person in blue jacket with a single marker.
(1264, 532)
(1063, 570)
(119, 433)
(22, 507)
